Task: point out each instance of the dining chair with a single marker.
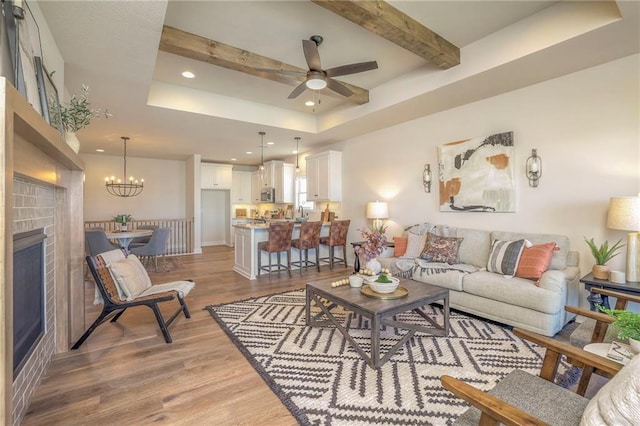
(140, 241)
(337, 238)
(309, 239)
(279, 241)
(155, 247)
(96, 242)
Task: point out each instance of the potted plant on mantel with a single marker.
(627, 324)
(77, 114)
(602, 254)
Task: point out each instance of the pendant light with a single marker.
(297, 138)
(261, 168)
(120, 189)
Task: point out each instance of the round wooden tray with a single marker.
(399, 293)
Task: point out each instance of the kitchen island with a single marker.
(246, 239)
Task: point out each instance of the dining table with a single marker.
(124, 238)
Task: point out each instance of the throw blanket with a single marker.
(407, 268)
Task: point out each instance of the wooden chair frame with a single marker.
(113, 307)
(495, 411)
(600, 330)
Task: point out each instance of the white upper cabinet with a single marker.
(283, 182)
(241, 188)
(215, 176)
(324, 176)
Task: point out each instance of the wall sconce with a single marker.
(426, 178)
(377, 210)
(534, 168)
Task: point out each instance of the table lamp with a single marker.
(624, 214)
(377, 210)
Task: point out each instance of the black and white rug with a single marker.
(323, 381)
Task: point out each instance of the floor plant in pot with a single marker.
(627, 325)
(602, 254)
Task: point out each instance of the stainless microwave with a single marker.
(268, 195)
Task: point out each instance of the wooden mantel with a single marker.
(32, 148)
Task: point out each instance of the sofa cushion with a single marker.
(400, 246)
(415, 243)
(513, 291)
(559, 258)
(441, 249)
(504, 257)
(475, 246)
(535, 260)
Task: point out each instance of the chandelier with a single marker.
(121, 189)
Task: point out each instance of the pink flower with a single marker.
(374, 242)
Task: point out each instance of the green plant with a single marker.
(123, 218)
(78, 113)
(627, 323)
(603, 253)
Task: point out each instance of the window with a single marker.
(302, 194)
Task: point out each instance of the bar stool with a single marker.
(337, 237)
(279, 241)
(309, 239)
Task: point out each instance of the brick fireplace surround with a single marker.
(42, 188)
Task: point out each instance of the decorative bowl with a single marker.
(383, 287)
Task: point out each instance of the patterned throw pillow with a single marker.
(400, 244)
(504, 257)
(441, 249)
(535, 261)
(414, 245)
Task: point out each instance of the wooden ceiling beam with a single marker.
(216, 53)
(390, 23)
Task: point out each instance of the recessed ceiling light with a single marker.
(188, 74)
(234, 159)
(309, 103)
(294, 152)
(270, 143)
(100, 150)
(249, 152)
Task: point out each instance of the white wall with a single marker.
(164, 188)
(215, 217)
(586, 128)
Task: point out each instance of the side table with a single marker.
(590, 282)
(355, 245)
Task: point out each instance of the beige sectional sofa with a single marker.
(514, 301)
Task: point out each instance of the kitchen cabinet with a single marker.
(283, 182)
(256, 187)
(324, 176)
(215, 176)
(241, 188)
(242, 252)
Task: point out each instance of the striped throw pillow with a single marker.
(505, 256)
(535, 261)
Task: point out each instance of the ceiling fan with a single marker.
(317, 78)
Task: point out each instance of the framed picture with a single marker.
(49, 101)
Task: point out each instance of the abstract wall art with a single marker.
(477, 175)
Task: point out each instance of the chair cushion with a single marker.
(618, 401)
(549, 402)
(182, 287)
(130, 275)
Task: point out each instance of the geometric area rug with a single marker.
(322, 380)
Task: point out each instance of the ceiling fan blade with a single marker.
(351, 69)
(298, 90)
(311, 55)
(338, 87)
(283, 72)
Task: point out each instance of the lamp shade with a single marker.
(624, 213)
(377, 210)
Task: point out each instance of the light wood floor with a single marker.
(126, 374)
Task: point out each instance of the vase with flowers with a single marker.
(374, 243)
(77, 114)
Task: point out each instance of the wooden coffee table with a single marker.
(379, 311)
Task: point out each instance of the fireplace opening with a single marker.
(28, 295)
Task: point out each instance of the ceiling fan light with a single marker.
(309, 103)
(316, 83)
